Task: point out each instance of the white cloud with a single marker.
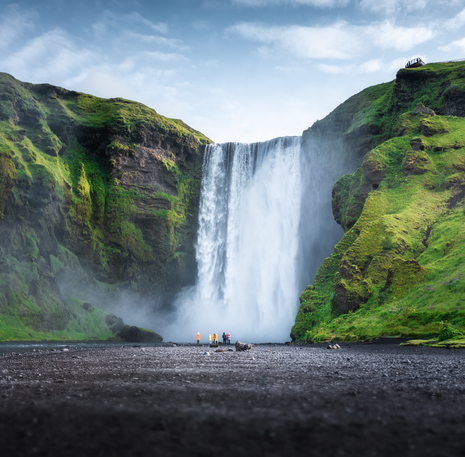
(456, 22)
(161, 27)
(112, 20)
(163, 57)
(15, 22)
(388, 36)
(340, 40)
(290, 69)
(332, 69)
(403, 6)
(334, 41)
(103, 82)
(376, 6)
(155, 39)
(127, 65)
(202, 25)
(393, 6)
(371, 66)
(457, 44)
(48, 57)
(317, 3)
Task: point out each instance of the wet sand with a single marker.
(275, 400)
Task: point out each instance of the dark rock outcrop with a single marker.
(133, 334)
(243, 346)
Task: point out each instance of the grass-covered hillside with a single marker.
(97, 198)
(400, 268)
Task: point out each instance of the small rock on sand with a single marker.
(243, 346)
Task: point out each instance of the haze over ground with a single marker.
(237, 70)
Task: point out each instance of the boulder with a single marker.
(243, 346)
(139, 335)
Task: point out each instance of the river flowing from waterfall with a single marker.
(248, 242)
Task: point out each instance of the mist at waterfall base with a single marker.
(265, 225)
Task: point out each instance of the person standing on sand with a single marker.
(198, 337)
(210, 338)
(224, 338)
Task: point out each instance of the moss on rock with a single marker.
(92, 191)
(398, 269)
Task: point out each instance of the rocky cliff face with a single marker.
(98, 206)
(398, 269)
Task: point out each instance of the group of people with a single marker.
(213, 339)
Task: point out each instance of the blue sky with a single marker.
(237, 70)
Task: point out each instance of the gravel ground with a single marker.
(275, 400)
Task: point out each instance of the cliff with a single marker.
(98, 208)
(398, 270)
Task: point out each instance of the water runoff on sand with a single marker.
(248, 244)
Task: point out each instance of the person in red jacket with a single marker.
(198, 337)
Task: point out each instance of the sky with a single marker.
(236, 70)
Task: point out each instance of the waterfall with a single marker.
(248, 243)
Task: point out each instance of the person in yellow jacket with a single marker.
(210, 338)
(198, 337)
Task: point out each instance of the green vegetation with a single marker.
(399, 269)
(105, 184)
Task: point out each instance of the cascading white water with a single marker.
(247, 249)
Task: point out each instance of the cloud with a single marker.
(339, 41)
(456, 22)
(155, 39)
(376, 6)
(161, 27)
(333, 69)
(15, 22)
(48, 57)
(402, 6)
(457, 44)
(129, 25)
(388, 36)
(393, 6)
(370, 66)
(103, 82)
(201, 25)
(112, 20)
(317, 3)
(163, 57)
(333, 42)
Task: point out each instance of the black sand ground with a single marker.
(373, 400)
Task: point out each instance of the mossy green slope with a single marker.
(399, 269)
(96, 196)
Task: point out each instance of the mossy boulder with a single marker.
(134, 334)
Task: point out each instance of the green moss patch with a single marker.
(398, 271)
(63, 208)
